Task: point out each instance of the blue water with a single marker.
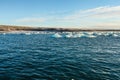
(44, 57)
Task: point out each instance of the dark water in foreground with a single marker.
(41, 57)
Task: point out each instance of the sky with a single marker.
(61, 13)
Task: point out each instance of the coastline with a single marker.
(8, 28)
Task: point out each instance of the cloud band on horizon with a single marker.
(103, 17)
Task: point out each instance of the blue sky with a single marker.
(61, 13)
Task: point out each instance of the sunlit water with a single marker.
(60, 56)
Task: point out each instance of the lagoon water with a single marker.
(60, 56)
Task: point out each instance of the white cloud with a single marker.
(101, 17)
(31, 20)
(100, 12)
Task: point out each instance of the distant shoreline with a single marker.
(7, 28)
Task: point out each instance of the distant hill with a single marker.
(13, 28)
(25, 28)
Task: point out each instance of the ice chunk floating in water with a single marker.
(85, 34)
(27, 33)
(69, 35)
(40, 57)
(56, 35)
(73, 35)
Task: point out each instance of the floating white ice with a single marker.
(56, 35)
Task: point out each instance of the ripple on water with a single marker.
(42, 57)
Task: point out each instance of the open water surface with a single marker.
(47, 56)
